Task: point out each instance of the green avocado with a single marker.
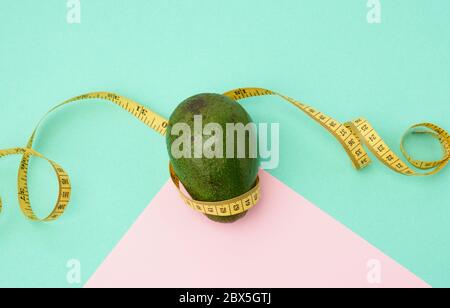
(215, 178)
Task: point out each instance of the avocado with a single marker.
(215, 178)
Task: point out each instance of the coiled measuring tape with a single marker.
(353, 136)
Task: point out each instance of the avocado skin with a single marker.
(215, 179)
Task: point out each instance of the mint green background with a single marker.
(160, 52)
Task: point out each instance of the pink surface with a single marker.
(285, 241)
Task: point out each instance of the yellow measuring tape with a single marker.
(353, 136)
(229, 207)
(150, 118)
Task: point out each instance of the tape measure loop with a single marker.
(224, 208)
(145, 115)
(434, 131)
(22, 184)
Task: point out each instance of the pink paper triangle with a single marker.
(285, 241)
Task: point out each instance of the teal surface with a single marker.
(159, 52)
